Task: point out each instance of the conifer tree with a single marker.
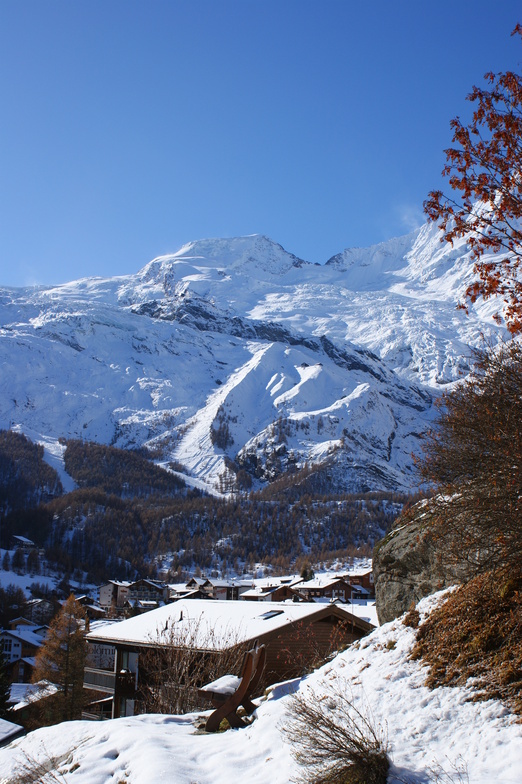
(61, 661)
(5, 687)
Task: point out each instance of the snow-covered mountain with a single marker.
(236, 359)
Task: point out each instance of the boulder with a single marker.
(408, 565)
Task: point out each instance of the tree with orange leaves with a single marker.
(485, 172)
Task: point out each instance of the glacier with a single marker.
(234, 361)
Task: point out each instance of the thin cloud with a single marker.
(410, 216)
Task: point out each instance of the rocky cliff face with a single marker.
(408, 565)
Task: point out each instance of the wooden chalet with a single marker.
(325, 587)
(297, 635)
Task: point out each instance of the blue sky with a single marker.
(129, 127)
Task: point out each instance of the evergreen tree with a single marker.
(18, 561)
(5, 687)
(61, 660)
(6, 561)
(33, 562)
(307, 572)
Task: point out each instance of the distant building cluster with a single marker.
(297, 618)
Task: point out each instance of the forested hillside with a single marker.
(128, 517)
(25, 479)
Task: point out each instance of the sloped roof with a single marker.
(321, 582)
(22, 694)
(215, 625)
(29, 637)
(9, 731)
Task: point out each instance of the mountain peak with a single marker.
(254, 253)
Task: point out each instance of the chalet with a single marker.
(147, 591)
(137, 606)
(273, 589)
(178, 591)
(294, 633)
(22, 623)
(225, 590)
(195, 583)
(362, 582)
(21, 670)
(325, 587)
(22, 543)
(20, 650)
(25, 700)
(269, 593)
(92, 609)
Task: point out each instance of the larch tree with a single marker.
(61, 660)
(474, 458)
(485, 205)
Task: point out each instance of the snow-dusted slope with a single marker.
(235, 350)
(439, 735)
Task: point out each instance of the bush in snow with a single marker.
(334, 741)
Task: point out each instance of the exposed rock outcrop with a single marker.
(408, 565)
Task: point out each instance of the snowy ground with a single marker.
(24, 581)
(434, 736)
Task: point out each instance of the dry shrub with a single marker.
(412, 617)
(476, 634)
(334, 741)
(48, 769)
(180, 660)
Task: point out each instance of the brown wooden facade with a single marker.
(292, 650)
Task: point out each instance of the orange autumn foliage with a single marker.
(485, 174)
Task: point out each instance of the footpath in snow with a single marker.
(434, 736)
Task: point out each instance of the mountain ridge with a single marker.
(293, 362)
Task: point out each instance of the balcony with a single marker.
(126, 684)
(99, 680)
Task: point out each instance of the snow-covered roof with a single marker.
(101, 623)
(272, 582)
(23, 539)
(226, 583)
(443, 732)
(35, 602)
(153, 583)
(23, 694)
(257, 592)
(367, 610)
(322, 581)
(360, 589)
(9, 731)
(24, 622)
(209, 625)
(263, 591)
(30, 636)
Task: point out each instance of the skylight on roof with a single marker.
(271, 614)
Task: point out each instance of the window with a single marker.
(271, 614)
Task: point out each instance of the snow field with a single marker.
(439, 730)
